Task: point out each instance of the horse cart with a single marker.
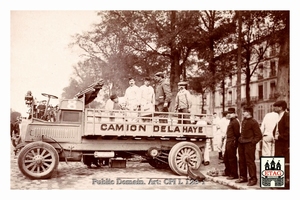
(101, 137)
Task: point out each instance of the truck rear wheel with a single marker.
(38, 160)
(183, 154)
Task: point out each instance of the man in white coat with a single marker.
(267, 126)
(147, 97)
(221, 134)
(132, 96)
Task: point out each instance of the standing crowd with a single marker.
(237, 141)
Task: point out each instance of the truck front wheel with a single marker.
(183, 154)
(38, 160)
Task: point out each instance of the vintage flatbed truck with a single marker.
(96, 136)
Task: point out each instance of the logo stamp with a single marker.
(272, 172)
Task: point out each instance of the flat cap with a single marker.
(231, 110)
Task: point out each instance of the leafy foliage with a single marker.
(194, 44)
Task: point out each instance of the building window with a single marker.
(273, 69)
(229, 100)
(260, 92)
(260, 71)
(260, 113)
(272, 90)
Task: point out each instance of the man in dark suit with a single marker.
(250, 136)
(282, 131)
(232, 136)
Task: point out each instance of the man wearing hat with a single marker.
(113, 103)
(162, 93)
(250, 136)
(232, 135)
(282, 131)
(183, 102)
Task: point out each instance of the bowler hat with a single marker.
(113, 96)
(280, 103)
(231, 110)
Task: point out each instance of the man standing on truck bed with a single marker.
(147, 99)
(132, 95)
(183, 103)
(162, 94)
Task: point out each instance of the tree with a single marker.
(147, 41)
(259, 33)
(217, 26)
(282, 21)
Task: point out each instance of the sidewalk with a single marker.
(215, 164)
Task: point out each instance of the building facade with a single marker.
(262, 87)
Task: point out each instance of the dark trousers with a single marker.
(230, 159)
(183, 119)
(161, 108)
(247, 160)
(282, 149)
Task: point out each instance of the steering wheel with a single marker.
(49, 96)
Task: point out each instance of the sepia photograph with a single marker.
(179, 99)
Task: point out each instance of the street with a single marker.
(136, 175)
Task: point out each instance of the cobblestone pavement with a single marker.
(76, 176)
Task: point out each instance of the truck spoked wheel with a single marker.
(183, 154)
(38, 160)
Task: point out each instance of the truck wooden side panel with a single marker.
(99, 122)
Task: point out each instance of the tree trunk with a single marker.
(212, 68)
(239, 57)
(176, 70)
(283, 75)
(248, 77)
(223, 95)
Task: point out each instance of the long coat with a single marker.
(162, 92)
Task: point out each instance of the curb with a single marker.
(216, 164)
(231, 183)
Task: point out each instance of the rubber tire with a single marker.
(194, 154)
(51, 154)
